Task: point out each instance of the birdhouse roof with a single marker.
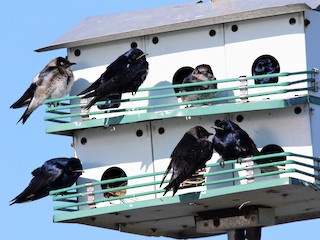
(125, 25)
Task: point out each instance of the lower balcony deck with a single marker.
(256, 195)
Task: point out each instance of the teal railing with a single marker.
(63, 112)
(91, 193)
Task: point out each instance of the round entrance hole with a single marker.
(113, 173)
(265, 64)
(270, 149)
(179, 75)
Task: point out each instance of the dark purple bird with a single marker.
(53, 174)
(190, 154)
(54, 81)
(125, 74)
(232, 142)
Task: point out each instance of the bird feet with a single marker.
(201, 170)
(55, 104)
(221, 162)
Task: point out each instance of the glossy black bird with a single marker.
(201, 73)
(53, 174)
(190, 154)
(54, 81)
(125, 74)
(232, 142)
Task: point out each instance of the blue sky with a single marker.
(25, 26)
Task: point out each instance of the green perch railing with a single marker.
(77, 196)
(62, 112)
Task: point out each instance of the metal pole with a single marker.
(253, 233)
(237, 234)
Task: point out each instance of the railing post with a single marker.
(243, 86)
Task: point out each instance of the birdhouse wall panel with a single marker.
(264, 127)
(116, 147)
(101, 54)
(185, 48)
(312, 23)
(246, 41)
(173, 51)
(315, 129)
(285, 128)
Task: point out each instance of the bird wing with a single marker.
(175, 155)
(39, 185)
(25, 99)
(246, 143)
(92, 87)
(188, 159)
(107, 75)
(125, 80)
(133, 76)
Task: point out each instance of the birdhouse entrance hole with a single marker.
(269, 149)
(113, 173)
(265, 64)
(179, 75)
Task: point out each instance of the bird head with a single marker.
(63, 62)
(205, 71)
(135, 54)
(74, 166)
(221, 126)
(225, 126)
(202, 133)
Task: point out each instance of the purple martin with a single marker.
(201, 73)
(54, 81)
(125, 74)
(54, 174)
(190, 154)
(232, 142)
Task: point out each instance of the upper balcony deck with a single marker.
(162, 102)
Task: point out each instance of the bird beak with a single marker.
(72, 64)
(78, 171)
(216, 127)
(145, 54)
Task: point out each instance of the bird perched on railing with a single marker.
(54, 174)
(125, 74)
(232, 142)
(201, 73)
(54, 81)
(190, 154)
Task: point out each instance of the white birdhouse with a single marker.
(264, 56)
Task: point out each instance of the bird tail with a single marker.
(174, 184)
(87, 95)
(92, 102)
(13, 201)
(165, 174)
(25, 116)
(84, 92)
